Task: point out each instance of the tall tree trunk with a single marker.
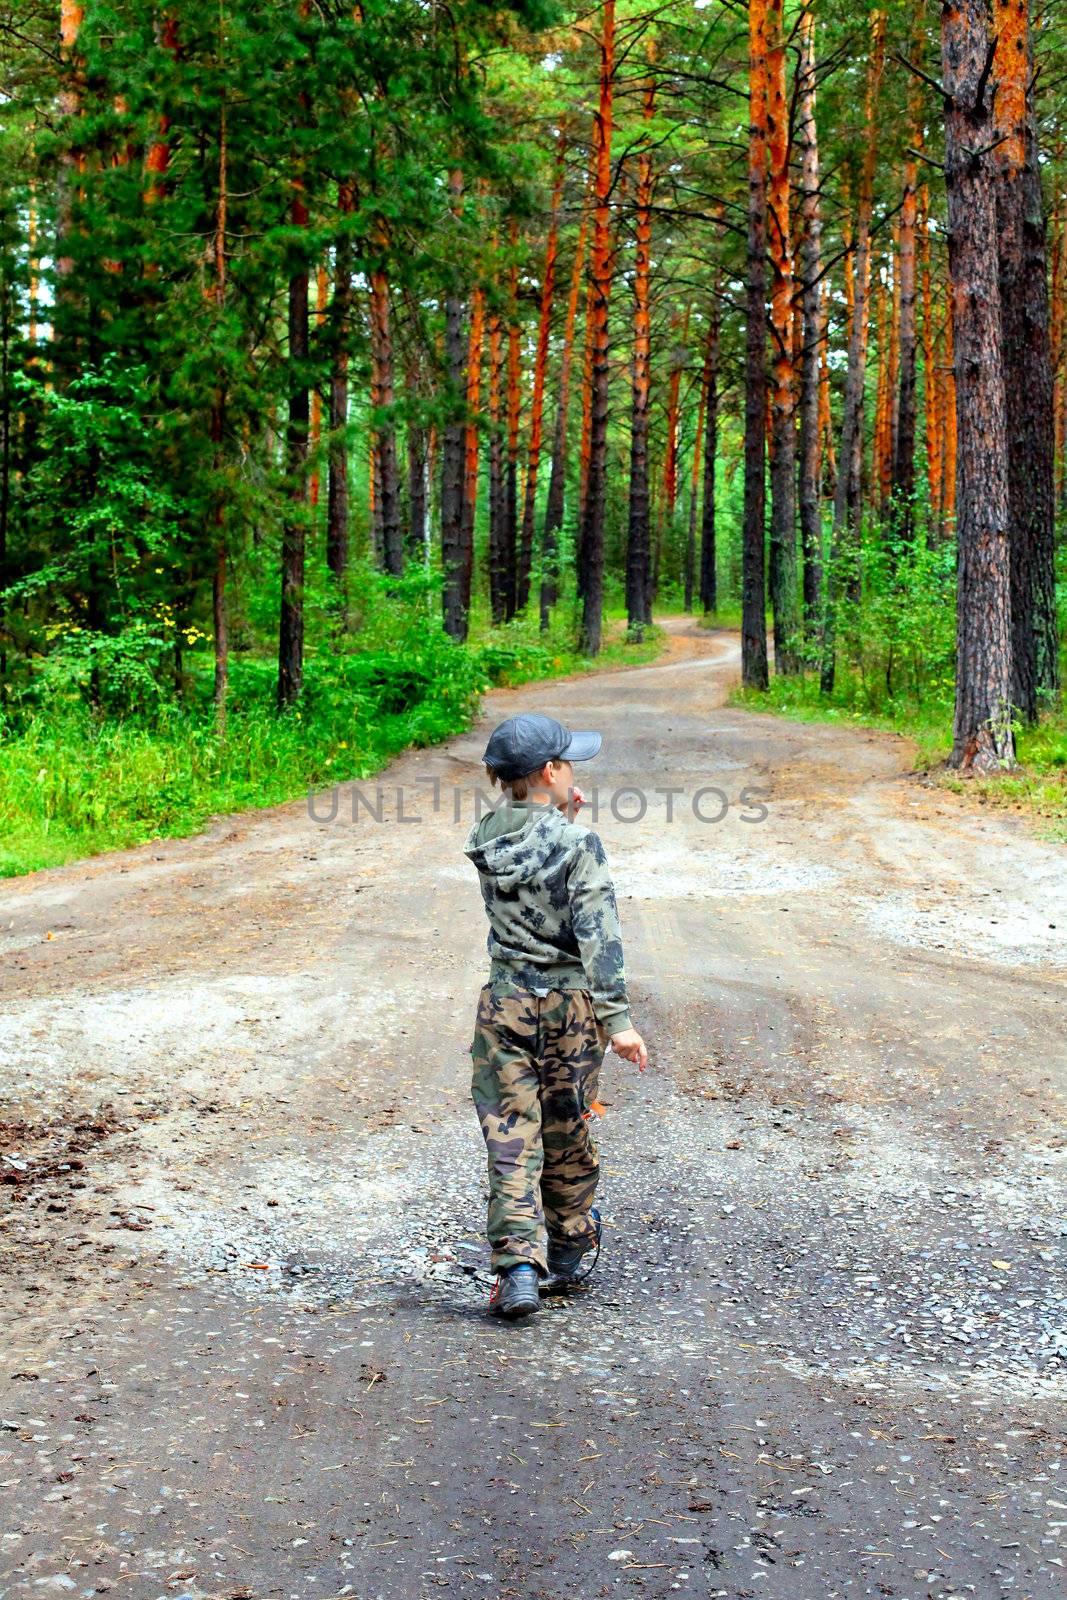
(471, 440)
(537, 398)
(809, 474)
(455, 601)
(844, 552)
(949, 411)
(316, 396)
(753, 590)
(826, 425)
(218, 421)
(1027, 365)
(638, 577)
(386, 470)
(340, 315)
(903, 485)
(514, 410)
(709, 592)
(882, 462)
(1059, 367)
(157, 159)
(678, 359)
(587, 421)
(498, 553)
(558, 476)
(694, 486)
(783, 553)
(983, 737)
(592, 532)
(418, 525)
(6, 320)
(930, 377)
(294, 526)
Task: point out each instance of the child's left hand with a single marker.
(631, 1046)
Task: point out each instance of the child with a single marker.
(555, 998)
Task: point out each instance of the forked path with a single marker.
(826, 1351)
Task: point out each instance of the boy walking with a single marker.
(555, 998)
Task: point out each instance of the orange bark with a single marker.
(34, 269)
(948, 471)
(778, 231)
(316, 397)
(474, 387)
(157, 161)
(930, 387)
(591, 541)
(71, 17)
(849, 265)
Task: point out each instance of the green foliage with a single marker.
(144, 761)
(896, 672)
(897, 640)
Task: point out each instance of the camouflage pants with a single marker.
(536, 1063)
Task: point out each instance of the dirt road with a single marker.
(826, 1353)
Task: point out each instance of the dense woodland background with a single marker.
(354, 357)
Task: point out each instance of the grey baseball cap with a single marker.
(524, 743)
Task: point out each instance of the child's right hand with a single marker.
(630, 1044)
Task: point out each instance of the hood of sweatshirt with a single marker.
(515, 849)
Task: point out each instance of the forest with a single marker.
(355, 358)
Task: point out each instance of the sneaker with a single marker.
(515, 1293)
(564, 1260)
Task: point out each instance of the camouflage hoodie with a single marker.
(553, 920)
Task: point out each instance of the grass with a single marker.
(74, 784)
(1038, 788)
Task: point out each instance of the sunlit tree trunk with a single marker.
(498, 561)
(983, 737)
(471, 440)
(783, 552)
(753, 592)
(157, 159)
(930, 376)
(316, 397)
(1027, 364)
(948, 421)
(592, 532)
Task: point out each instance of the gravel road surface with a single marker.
(825, 1350)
